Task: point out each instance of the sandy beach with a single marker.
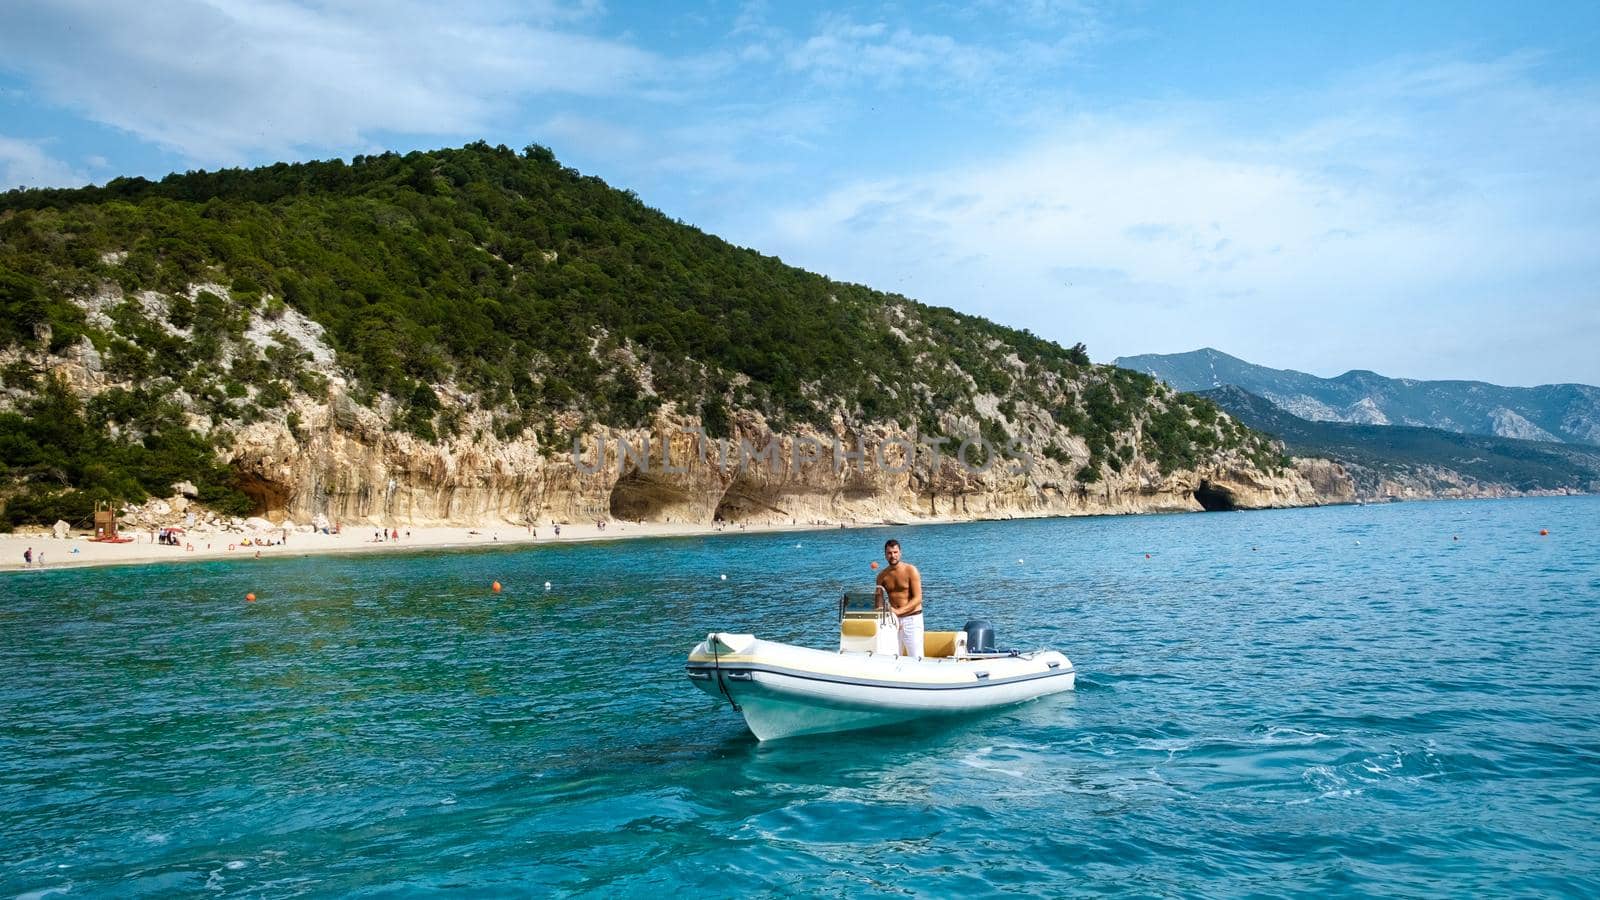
(78, 550)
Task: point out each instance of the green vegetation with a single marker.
(62, 464)
(534, 289)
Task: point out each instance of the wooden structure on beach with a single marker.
(105, 523)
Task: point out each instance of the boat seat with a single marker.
(939, 643)
(934, 643)
(859, 628)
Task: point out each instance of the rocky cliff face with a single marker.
(1437, 483)
(324, 456)
(347, 468)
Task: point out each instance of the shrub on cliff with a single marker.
(59, 459)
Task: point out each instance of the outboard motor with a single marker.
(980, 636)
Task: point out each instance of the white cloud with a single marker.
(26, 164)
(1381, 223)
(217, 81)
(844, 52)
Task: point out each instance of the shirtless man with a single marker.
(903, 584)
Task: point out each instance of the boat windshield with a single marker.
(860, 603)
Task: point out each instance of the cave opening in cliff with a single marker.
(732, 508)
(637, 497)
(744, 502)
(1214, 499)
(269, 497)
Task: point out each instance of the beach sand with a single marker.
(78, 550)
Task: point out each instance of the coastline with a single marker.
(58, 553)
(358, 539)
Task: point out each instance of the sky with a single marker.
(1411, 188)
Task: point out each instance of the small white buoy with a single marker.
(724, 578)
(547, 585)
(1019, 560)
(1358, 543)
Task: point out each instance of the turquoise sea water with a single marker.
(1330, 701)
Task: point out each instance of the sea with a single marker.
(1395, 700)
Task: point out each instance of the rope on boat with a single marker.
(716, 663)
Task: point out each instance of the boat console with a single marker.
(866, 625)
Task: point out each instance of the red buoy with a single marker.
(250, 598)
(1543, 532)
(874, 564)
(495, 587)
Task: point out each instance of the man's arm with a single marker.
(915, 597)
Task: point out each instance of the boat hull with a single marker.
(784, 691)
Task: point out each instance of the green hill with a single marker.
(506, 281)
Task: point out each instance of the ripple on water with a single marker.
(1263, 706)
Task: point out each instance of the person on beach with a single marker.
(902, 584)
(27, 557)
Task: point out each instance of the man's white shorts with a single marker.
(911, 635)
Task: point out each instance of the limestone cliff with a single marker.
(331, 458)
(364, 474)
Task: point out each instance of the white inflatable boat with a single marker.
(784, 690)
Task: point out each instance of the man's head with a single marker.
(891, 551)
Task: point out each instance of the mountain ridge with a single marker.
(1412, 462)
(1566, 412)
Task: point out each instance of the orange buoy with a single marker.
(1543, 532)
(250, 598)
(874, 564)
(495, 587)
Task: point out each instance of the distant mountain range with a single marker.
(1399, 461)
(1553, 412)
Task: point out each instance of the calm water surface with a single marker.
(1344, 701)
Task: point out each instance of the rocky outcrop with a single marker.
(1330, 482)
(343, 465)
(1438, 483)
(330, 458)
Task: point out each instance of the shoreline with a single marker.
(91, 554)
(59, 554)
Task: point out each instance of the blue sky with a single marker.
(1412, 188)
